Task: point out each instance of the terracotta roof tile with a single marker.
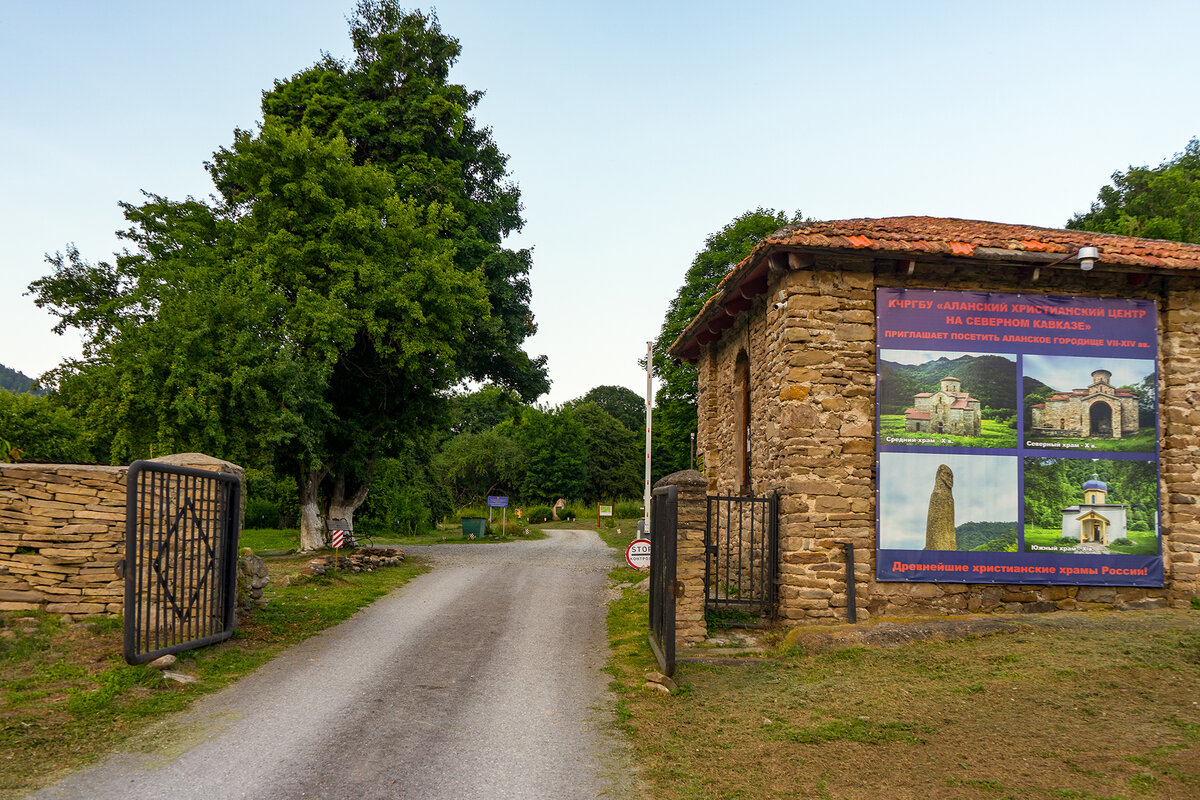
(898, 237)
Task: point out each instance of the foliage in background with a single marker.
(555, 452)
(36, 429)
(1052, 484)
(474, 465)
(675, 415)
(625, 405)
(1160, 202)
(615, 453)
(484, 409)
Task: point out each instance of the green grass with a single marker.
(270, 540)
(1144, 441)
(1145, 542)
(992, 434)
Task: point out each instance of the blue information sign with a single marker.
(497, 502)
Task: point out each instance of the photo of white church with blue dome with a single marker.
(1090, 506)
(1095, 520)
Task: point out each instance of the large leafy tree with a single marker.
(554, 447)
(675, 415)
(624, 404)
(399, 110)
(1160, 202)
(614, 454)
(317, 310)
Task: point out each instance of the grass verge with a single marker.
(1102, 705)
(67, 696)
(282, 540)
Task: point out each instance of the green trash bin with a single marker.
(474, 525)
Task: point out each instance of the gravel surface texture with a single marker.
(479, 679)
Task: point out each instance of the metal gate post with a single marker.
(663, 523)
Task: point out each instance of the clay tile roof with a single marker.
(912, 413)
(923, 394)
(1003, 245)
(960, 403)
(961, 237)
(949, 378)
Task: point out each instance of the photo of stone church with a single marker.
(1105, 411)
(948, 410)
(1098, 410)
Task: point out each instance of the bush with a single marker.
(1124, 542)
(510, 528)
(538, 514)
(260, 513)
(568, 513)
(628, 509)
(1066, 541)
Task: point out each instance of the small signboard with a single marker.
(606, 511)
(638, 554)
(497, 502)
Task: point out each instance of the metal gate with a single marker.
(180, 567)
(741, 563)
(664, 515)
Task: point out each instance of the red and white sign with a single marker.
(638, 554)
(337, 540)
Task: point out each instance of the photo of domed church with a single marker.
(1100, 410)
(948, 410)
(1095, 519)
(1113, 411)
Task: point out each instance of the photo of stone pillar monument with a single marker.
(939, 525)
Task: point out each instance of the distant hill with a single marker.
(15, 382)
(977, 535)
(989, 379)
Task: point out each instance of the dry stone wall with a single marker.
(62, 533)
(812, 363)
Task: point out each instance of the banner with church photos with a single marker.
(1017, 439)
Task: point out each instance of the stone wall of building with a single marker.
(813, 433)
(62, 533)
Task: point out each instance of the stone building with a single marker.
(948, 410)
(1095, 519)
(1100, 411)
(786, 357)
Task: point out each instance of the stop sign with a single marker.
(638, 554)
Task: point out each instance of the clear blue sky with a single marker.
(634, 129)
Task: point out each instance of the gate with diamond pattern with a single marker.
(180, 568)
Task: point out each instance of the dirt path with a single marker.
(480, 679)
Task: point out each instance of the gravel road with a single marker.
(479, 679)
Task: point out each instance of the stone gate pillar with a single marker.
(692, 499)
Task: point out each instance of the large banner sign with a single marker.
(1017, 439)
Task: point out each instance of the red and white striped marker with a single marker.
(337, 540)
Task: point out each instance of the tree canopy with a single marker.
(314, 313)
(1160, 202)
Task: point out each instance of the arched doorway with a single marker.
(741, 381)
(1100, 419)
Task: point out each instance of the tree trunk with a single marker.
(342, 508)
(312, 524)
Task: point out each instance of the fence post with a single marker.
(692, 488)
